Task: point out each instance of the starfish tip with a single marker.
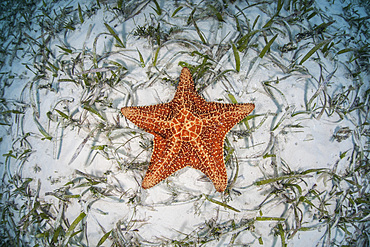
(124, 110)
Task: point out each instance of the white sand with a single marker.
(177, 206)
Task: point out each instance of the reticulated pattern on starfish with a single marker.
(188, 131)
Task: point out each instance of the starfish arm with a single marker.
(186, 95)
(223, 117)
(186, 82)
(211, 109)
(152, 119)
(212, 164)
(161, 163)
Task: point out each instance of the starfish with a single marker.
(188, 131)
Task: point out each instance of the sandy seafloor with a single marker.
(104, 182)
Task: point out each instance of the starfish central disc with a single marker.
(186, 126)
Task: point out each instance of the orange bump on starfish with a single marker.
(188, 131)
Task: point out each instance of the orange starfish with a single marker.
(188, 131)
